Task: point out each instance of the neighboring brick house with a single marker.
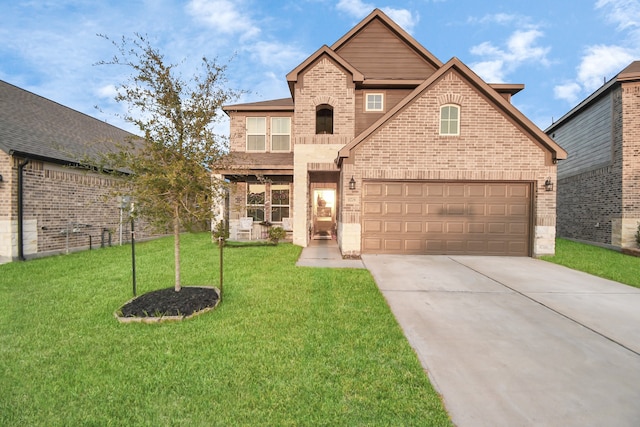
(599, 185)
(47, 205)
(389, 150)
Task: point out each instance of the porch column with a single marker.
(300, 196)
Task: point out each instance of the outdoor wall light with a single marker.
(0, 178)
(352, 183)
(548, 185)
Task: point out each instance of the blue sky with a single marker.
(562, 50)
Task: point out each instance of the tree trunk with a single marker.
(176, 247)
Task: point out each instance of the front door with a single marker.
(324, 213)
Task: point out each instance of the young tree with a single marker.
(170, 166)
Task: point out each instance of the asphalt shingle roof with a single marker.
(33, 126)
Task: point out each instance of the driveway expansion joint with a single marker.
(529, 297)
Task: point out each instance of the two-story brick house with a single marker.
(599, 185)
(387, 149)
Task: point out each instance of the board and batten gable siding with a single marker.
(364, 119)
(587, 138)
(378, 53)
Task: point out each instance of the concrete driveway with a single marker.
(518, 341)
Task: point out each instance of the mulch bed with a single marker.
(168, 302)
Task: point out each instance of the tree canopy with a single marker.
(170, 166)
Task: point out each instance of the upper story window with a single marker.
(324, 119)
(450, 120)
(374, 102)
(280, 134)
(256, 133)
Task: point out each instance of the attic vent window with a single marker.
(374, 102)
(450, 120)
(324, 119)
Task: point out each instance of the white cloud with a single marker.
(356, 8)
(276, 55)
(521, 48)
(359, 9)
(624, 13)
(402, 17)
(497, 18)
(568, 91)
(108, 91)
(602, 62)
(490, 71)
(223, 16)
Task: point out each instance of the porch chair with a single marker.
(246, 226)
(287, 227)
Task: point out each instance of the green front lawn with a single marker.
(597, 261)
(288, 346)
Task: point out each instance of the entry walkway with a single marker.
(325, 253)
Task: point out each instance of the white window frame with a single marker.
(373, 105)
(448, 121)
(274, 133)
(258, 132)
(274, 203)
(257, 207)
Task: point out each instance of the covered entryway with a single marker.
(448, 218)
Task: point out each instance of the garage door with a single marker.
(472, 218)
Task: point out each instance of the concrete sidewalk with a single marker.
(325, 253)
(518, 341)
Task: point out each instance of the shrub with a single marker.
(221, 232)
(276, 233)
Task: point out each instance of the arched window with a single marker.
(450, 120)
(324, 119)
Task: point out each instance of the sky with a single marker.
(561, 50)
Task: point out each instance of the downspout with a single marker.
(21, 209)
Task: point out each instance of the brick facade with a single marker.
(64, 210)
(630, 220)
(325, 82)
(401, 140)
(489, 148)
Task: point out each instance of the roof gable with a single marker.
(629, 74)
(292, 76)
(556, 152)
(382, 50)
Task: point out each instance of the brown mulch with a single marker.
(168, 302)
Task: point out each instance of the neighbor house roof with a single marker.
(630, 73)
(487, 90)
(35, 127)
